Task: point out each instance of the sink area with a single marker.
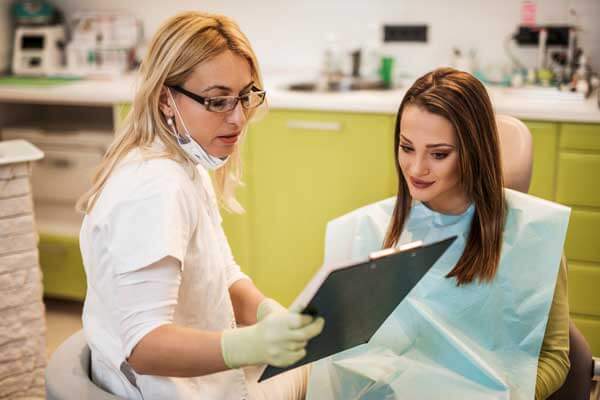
(537, 93)
(341, 85)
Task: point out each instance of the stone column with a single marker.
(22, 321)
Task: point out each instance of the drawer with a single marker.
(584, 281)
(580, 137)
(60, 137)
(577, 178)
(590, 328)
(582, 236)
(62, 267)
(70, 160)
(63, 175)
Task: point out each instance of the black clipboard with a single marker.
(356, 299)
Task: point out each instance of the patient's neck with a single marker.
(450, 203)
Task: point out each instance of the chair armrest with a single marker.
(596, 369)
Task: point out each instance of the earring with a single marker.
(170, 121)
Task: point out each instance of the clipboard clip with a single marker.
(393, 250)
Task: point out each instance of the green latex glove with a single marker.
(279, 340)
(266, 307)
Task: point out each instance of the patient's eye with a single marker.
(439, 155)
(406, 148)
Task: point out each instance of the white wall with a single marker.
(289, 34)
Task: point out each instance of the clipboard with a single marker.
(355, 299)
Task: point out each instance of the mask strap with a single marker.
(187, 133)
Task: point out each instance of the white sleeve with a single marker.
(156, 222)
(146, 299)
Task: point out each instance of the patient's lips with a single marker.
(420, 183)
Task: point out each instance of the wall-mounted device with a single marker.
(543, 36)
(557, 35)
(405, 33)
(38, 50)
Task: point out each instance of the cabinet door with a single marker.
(576, 180)
(578, 168)
(120, 111)
(237, 226)
(584, 137)
(590, 328)
(584, 304)
(306, 169)
(545, 149)
(62, 267)
(582, 243)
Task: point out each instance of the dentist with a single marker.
(165, 295)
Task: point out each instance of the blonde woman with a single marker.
(164, 294)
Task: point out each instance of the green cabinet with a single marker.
(237, 226)
(62, 267)
(585, 137)
(582, 237)
(304, 169)
(545, 145)
(576, 179)
(577, 171)
(120, 111)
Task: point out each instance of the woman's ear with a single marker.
(164, 103)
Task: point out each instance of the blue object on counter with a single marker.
(505, 81)
(480, 340)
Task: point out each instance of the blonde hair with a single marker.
(180, 44)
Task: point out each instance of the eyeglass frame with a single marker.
(204, 100)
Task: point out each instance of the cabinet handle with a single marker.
(59, 163)
(315, 125)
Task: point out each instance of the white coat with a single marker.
(148, 210)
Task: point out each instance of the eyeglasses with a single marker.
(222, 104)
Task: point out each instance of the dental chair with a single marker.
(68, 375)
(516, 150)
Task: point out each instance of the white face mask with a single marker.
(191, 147)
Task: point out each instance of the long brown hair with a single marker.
(181, 43)
(462, 100)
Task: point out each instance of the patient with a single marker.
(490, 320)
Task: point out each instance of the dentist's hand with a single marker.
(268, 306)
(279, 339)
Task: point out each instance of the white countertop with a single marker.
(17, 151)
(98, 92)
(534, 104)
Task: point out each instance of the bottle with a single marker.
(332, 64)
(459, 61)
(371, 53)
(582, 76)
(386, 71)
